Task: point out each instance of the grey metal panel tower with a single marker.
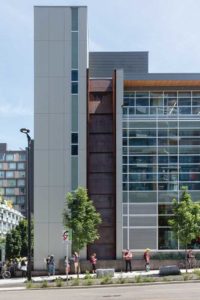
(60, 62)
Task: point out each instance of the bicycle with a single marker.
(5, 274)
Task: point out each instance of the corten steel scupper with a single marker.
(101, 176)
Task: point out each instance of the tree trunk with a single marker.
(186, 266)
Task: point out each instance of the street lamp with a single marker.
(28, 200)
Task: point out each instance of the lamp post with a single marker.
(28, 199)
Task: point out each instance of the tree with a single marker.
(81, 217)
(185, 222)
(13, 244)
(17, 240)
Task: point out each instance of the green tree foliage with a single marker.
(17, 240)
(185, 222)
(82, 218)
(13, 244)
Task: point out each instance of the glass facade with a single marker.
(161, 146)
(13, 178)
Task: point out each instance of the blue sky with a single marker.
(168, 29)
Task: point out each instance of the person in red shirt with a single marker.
(93, 261)
(128, 257)
(147, 259)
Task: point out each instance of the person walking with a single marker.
(128, 257)
(147, 259)
(51, 265)
(76, 263)
(93, 261)
(67, 265)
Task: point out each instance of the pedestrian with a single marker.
(67, 265)
(190, 258)
(93, 261)
(47, 264)
(76, 263)
(24, 266)
(128, 257)
(147, 259)
(51, 265)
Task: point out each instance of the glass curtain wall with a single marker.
(161, 147)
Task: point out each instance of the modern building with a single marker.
(13, 177)
(9, 218)
(131, 137)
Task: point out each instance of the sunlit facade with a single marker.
(102, 121)
(161, 143)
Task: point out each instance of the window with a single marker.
(9, 174)
(74, 75)
(2, 155)
(74, 150)
(9, 157)
(74, 138)
(74, 88)
(20, 199)
(21, 174)
(74, 19)
(21, 166)
(22, 190)
(1, 174)
(10, 191)
(11, 182)
(11, 166)
(20, 182)
(22, 156)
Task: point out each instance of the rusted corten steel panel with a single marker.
(107, 235)
(104, 200)
(99, 103)
(100, 85)
(100, 165)
(100, 123)
(101, 183)
(106, 250)
(100, 143)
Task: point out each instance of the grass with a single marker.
(138, 279)
(59, 282)
(44, 284)
(75, 282)
(88, 275)
(29, 284)
(121, 280)
(106, 280)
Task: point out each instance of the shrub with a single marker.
(138, 279)
(88, 281)
(148, 279)
(29, 284)
(197, 273)
(44, 284)
(186, 276)
(88, 275)
(75, 281)
(59, 282)
(121, 280)
(106, 280)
